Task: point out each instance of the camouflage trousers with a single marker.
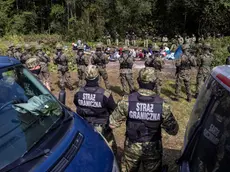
(134, 42)
(126, 42)
(45, 78)
(108, 134)
(117, 42)
(146, 43)
(127, 78)
(108, 41)
(147, 153)
(81, 75)
(183, 76)
(103, 73)
(64, 79)
(200, 79)
(158, 82)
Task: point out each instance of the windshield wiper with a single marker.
(16, 101)
(22, 160)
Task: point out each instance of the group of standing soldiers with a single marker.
(36, 61)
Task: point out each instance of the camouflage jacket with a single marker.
(18, 55)
(43, 58)
(99, 61)
(205, 61)
(82, 60)
(62, 61)
(185, 62)
(155, 62)
(169, 123)
(25, 56)
(126, 64)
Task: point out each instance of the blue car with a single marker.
(39, 133)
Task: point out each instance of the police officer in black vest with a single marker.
(95, 104)
(146, 114)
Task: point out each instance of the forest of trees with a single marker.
(91, 19)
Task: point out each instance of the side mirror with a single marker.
(62, 96)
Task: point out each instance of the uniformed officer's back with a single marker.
(146, 114)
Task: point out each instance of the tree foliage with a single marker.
(91, 19)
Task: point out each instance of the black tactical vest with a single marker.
(144, 118)
(126, 65)
(91, 105)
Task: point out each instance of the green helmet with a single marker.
(99, 46)
(156, 47)
(185, 46)
(91, 72)
(28, 46)
(59, 46)
(32, 63)
(125, 48)
(38, 47)
(207, 46)
(147, 75)
(11, 45)
(18, 46)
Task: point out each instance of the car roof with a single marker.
(8, 61)
(222, 75)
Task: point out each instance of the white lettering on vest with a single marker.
(145, 111)
(89, 100)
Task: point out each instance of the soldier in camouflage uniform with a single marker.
(183, 71)
(27, 54)
(156, 63)
(126, 74)
(100, 60)
(18, 53)
(10, 51)
(95, 104)
(44, 60)
(146, 113)
(82, 62)
(61, 60)
(204, 66)
(33, 65)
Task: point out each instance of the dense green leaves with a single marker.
(91, 19)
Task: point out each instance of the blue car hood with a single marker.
(93, 156)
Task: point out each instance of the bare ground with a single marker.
(181, 110)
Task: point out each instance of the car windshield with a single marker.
(211, 121)
(27, 112)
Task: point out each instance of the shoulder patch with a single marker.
(107, 93)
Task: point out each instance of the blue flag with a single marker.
(178, 52)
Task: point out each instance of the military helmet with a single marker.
(156, 47)
(59, 46)
(147, 75)
(28, 46)
(38, 47)
(207, 46)
(32, 62)
(18, 46)
(11, 45)
(99, 46)
(185, 46)
(91, 72)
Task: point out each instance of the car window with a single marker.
(212, 149)
(27, 111)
